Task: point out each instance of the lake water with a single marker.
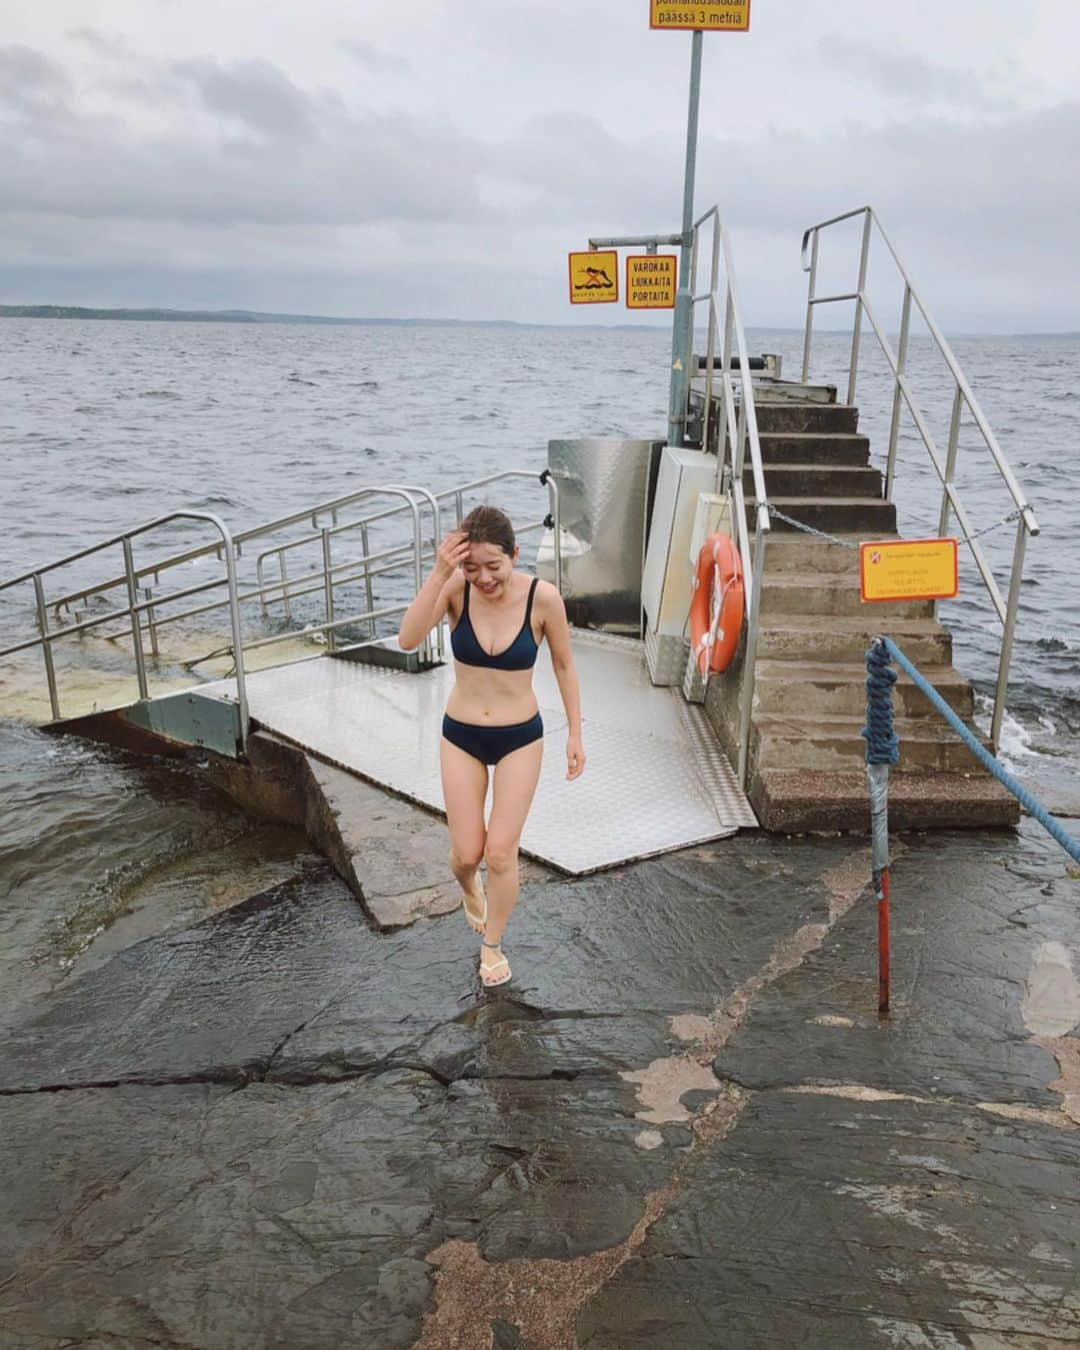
(103, 424)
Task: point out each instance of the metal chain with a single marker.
(848, 543)
(810, 529)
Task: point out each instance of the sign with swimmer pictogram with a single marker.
(594, 278)
(650, 281)
(909, 569)
(708, 16)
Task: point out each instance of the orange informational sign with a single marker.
(711, 16)
(650, 281)
(909, 569)
(594, 278)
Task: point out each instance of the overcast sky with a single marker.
(437, 158)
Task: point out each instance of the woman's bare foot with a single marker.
(474, 901)
(494, 967)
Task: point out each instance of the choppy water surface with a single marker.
(104, 424)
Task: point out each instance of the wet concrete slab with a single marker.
(682, 1124)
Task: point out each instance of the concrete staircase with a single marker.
(807, 759)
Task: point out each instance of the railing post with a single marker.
(746, 697)
(133, 614)
(328, 588)
(46, 646)
(1007, 637)
(856, 335)
(237, 632)
(283, 568)
(150, 623)
(811, 292)
(369, 590)
(901, 365)
(950, 458)
(710, 359)
(722, 429)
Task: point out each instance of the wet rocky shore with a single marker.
(683, 1124)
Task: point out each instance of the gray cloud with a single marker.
(376, 59)
(305, 159)
(908, 76)
(254, 93)
(32, 83)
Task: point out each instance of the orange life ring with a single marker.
(716, 607)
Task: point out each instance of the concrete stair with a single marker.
(807, 758)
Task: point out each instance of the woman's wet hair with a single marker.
(489, 525)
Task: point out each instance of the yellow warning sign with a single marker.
(650, 281)
(594, 278)
(711, 16)
(909, 569)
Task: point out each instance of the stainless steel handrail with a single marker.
(963, 396)
(737, 430)
(457, 493)
(48, 637)
(412, 499)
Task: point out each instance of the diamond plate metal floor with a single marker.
(655, 779)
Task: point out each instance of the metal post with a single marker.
(746, 697)
(857, 330)
(683, 328)
(283, 568)
(237, 634)
(710, 358)
(46, 646)
(950, 458)
(811, 289)
(723, 430)
(369, 590)
(150, 623)
(901, 363)
(328, 586)
(1007, 637)
(133, 613)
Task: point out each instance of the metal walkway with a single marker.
(655, 781)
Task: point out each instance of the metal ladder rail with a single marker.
(135, 607)
(47, 637)
(334, 505)
(317, 580)
(732, 465)
(963, 395)
(323, 580)
(458, 492)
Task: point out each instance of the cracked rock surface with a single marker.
(682, 1124)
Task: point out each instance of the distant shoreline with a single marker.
(252, 316)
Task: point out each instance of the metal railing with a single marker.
(145, 612)
(902, 394)
(736, 434)
(135, 608)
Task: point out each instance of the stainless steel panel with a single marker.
(603, 486)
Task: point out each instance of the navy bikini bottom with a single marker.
(490, 744)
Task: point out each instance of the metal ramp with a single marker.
(656, 779)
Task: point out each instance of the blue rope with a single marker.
(882, 747)
(890, 650)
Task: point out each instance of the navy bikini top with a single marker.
(520, 655)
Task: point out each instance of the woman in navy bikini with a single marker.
(499, 619)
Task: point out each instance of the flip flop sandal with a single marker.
(476, 922)
(486, 979)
